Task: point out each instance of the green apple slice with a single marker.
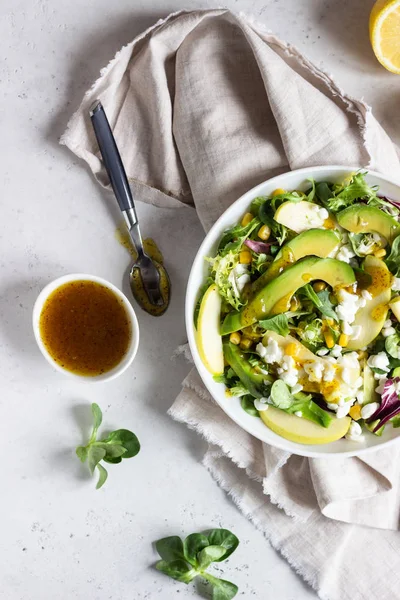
(302, 431)
(299, 216)
(209, 340)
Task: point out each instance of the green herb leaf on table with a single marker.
(222, 590)
(170, 548)
(177, 569)
(103, 474)
(95, 455)
(97, 417)
(125, 438)
(210, 554)
(225, 538)
(119, 444)
(183, 561)
(82, 453)
(193, 545)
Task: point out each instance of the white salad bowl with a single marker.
(231, 406)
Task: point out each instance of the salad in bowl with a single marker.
(298, 317)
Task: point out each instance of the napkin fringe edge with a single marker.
(211, 440)
(278, 546)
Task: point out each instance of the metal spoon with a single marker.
(148, 279)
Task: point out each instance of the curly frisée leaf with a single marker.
(357, 189)
(234, 238)
(223, 269)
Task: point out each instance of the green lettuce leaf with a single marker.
(279, 324)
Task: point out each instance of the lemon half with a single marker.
(384, 30)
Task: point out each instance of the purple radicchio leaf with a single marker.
(259, 247)
(390, 403)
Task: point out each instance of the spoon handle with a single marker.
(115, 169)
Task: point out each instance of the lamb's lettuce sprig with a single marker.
(188, 559)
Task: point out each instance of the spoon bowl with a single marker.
(149, 281)
(150, 285)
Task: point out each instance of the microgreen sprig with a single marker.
(185, 560)
(119, 444)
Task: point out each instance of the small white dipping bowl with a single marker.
(134, 343)
(290, 181)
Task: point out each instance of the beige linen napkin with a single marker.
(204, 106)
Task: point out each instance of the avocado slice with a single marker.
(275, 297)
(369, 386)
(361, 218)
(373, 315)
(313, 242)
(252, 381)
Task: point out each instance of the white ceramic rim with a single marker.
(134, 343)
(245, 199)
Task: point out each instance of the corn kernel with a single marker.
(380, 253)
(264, 232)
(248, 217)
(294, 304)
(246, 343)
(278, 192)
(292, 349)
(235, 338)
(245, 257)
(362, 355)
(319, 286)
(329, 341)
(329, 223)
(343, 340)
(355, 412)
